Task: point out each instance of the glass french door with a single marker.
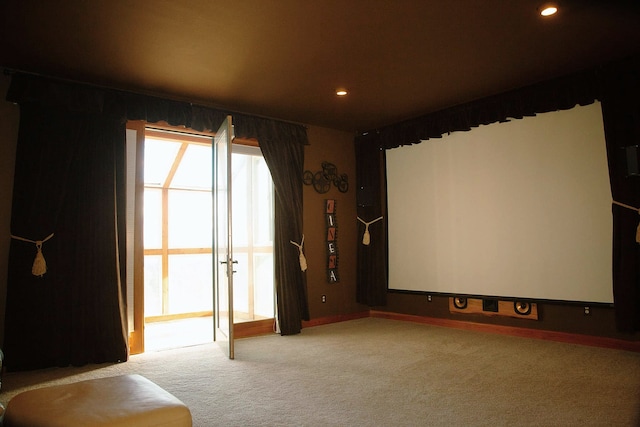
(223, 250)
(180, 264)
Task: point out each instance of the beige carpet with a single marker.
(377, 372)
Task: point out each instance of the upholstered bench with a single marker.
(127, 400)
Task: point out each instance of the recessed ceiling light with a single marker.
(548, 9)
(341, 92)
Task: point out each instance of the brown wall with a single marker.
(557, 317)
(9, 119)
(335, 147)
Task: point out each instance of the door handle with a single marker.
(233, 262)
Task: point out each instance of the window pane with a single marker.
(163, 154)
(190, 286)
(263, 219)
(241, 287)
(152, 285)
(194, 170)
(263, 285)
(190, 214)
(152, 218)
(241, 191)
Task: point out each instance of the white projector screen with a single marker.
(517, 210)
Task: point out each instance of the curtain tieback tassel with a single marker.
(39, 264)
(303, 259)
(366, 238)
(633, 209)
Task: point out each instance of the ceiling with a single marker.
(284, 59)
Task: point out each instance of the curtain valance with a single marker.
(79, 98)
(559, 94)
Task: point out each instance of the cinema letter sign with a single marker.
(332, 241)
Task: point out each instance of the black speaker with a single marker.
(631, 158)
(460, 303)
(522, 308)
(490, 305)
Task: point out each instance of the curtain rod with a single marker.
(7, 71)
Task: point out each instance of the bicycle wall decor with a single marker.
(323, 179)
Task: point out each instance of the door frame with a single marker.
(136, 336)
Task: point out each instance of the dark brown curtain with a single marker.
(63, 105)
(282, 146)
(372, 262)
(560, 94)
(615, 85)
(621, 114)
(68, 182)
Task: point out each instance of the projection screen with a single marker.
(518, 210)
